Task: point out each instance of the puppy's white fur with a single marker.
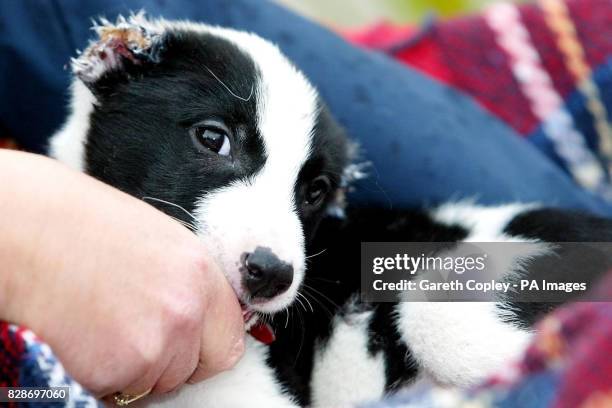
(68, 144)
(287, 110)
(344, 372)
(454, 342)
(250, 383)
(451, 341)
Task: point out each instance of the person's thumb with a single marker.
(223, 333)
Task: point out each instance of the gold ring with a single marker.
(123, 400)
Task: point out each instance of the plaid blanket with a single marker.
(26, 361)
(569, 364)
(545, 69)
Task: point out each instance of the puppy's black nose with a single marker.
(266, 276)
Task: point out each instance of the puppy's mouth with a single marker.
(255, 326)
(249, 315)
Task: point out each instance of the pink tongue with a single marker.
(263, 332)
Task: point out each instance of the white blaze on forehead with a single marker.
(286, 110)
(262, 211)
(286, 101)
(250, 213)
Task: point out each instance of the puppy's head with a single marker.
(216, 128)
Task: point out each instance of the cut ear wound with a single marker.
(127, 41)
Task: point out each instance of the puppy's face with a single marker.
(216, 128)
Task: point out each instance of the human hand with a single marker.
(126, 297)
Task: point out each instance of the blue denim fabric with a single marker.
(427, 143)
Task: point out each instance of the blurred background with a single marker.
(352, 13)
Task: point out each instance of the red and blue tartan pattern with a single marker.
(569, 363)
(11, 352)
(26, 361)
(570, 44)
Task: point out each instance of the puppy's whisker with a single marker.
(323, 306)
(171, 204)
(287, 319)
(306, 299)
(317, 254)
(185, 224)
(228, 88)
(301, 304)
(302, 328)
(321, 294)
(319, 303)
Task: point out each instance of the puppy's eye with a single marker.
(213, 137)
(317, 190)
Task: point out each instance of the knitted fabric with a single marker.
(26, 361)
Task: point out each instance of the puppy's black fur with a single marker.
(138, 140)
(334, 279)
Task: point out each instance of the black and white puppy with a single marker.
(218, 129)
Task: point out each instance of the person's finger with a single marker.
(145, 383)
(181, 367)
(142, 386)
(223, 333)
